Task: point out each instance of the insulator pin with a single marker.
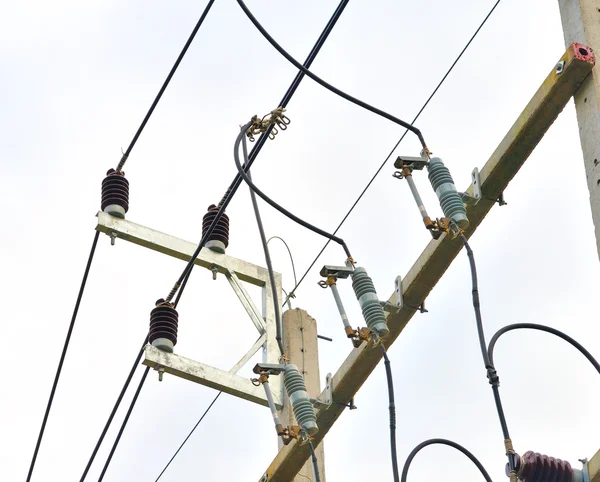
(443, 185)
(219, 238)
(369, 302)
(115, 194)
(303, 408)
(163, 326)
(534, 467)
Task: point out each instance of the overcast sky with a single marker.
(77, 78)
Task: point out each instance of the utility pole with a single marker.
(301, 348)
(581, 23)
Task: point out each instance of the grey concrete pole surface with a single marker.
(581, 23)
(301, 347)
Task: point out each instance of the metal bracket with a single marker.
(411, 162)
(476, 180)
(585, 469)
(398, 291)
(340, 272)
(317, 402)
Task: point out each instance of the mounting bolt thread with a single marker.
(443, 185)
(536, 467)
(303, 408)
(115, 194)
(163, 326)
(219, 238)
(369, 302)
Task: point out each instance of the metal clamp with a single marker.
(400, 300)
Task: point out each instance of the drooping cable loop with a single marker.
(327, 85)
(449, 443)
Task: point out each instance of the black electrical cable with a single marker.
(124, 424)
(182, 281)
(289, 252)
(254, 153)
(263, 240)
(63, 354)
(113, 412)
(368, 185)
(491, 371)
(544, 328)
(449, 443)
(325, 84)
(269, 201)
(313, 456)
(189, 435)
(392, 407)
(164, 86)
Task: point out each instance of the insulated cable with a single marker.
(63, 354)
(289, 252)
(325, 84)
(124, 424)
(263, 240)
(368, 185)
(547, 329)
(189, 435)
(231, 190)
(392, 407)
(492, 376)
(449, 443)
(164, 86)
(113, 412)
(313, 456)
(269, 201)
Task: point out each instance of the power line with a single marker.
(392, 409)
(181, 283)
(164, 86)
(327, 85)
(113, 411)
(124, 424)
(63, 354)
(368, 185)
(289, 252)
(189, 435)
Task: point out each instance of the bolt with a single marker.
(161, 371)
(113, 236)
(560, 67)
(214, 270)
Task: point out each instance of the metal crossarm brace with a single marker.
(541, 111)
(235, 270)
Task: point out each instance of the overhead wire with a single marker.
(113, 411)
(327, 85)
(124, 424)
(449, 443)
(63, 354)
(252, 156)
(188, 436)
(279, 208)
(289, 252)
(164, 85)
(263, 240)
(181, 282)
(380, 168)
(546, 329)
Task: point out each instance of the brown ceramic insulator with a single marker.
(536, 467)
(163, 323)
(115, 190)
(221, 231)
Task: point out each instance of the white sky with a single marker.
(78, 77)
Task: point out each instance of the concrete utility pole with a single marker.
(301, 348)
(581, 23)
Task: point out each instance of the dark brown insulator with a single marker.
(163, 322)
(536, 467)
(115, 190)
(221, 231)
